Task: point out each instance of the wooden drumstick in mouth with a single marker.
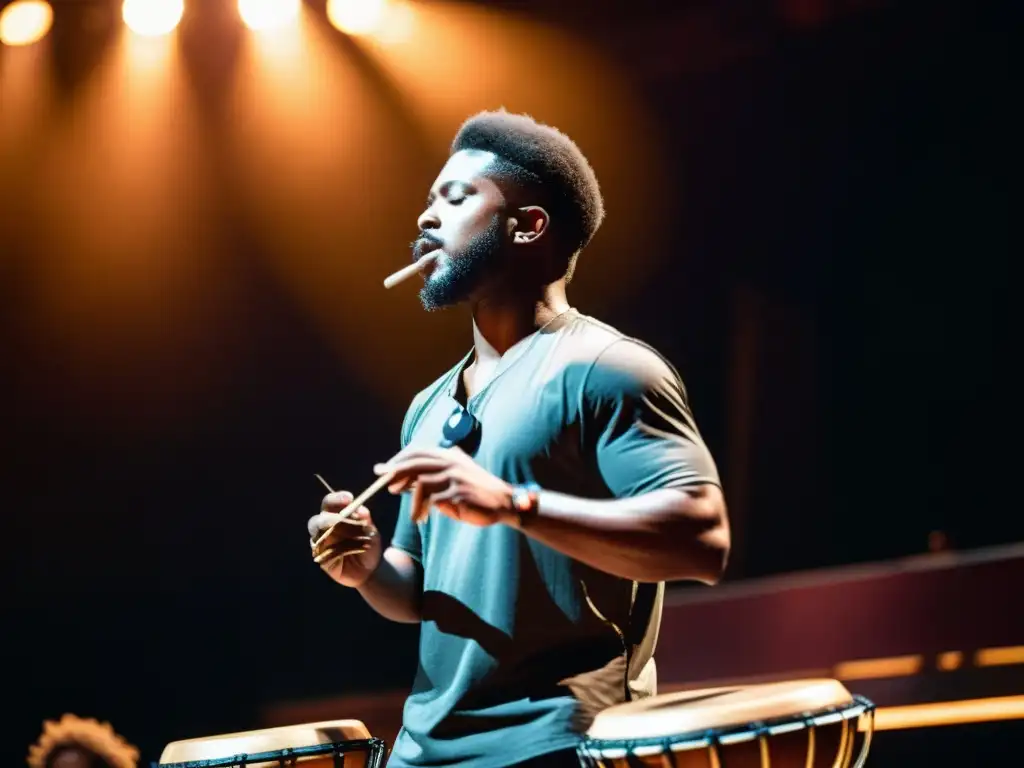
(406, 272)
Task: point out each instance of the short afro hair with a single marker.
(544, 161)
(98, 741)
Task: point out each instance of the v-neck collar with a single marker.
(456, 388)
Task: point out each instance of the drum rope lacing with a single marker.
(594, 751)
(374, 746)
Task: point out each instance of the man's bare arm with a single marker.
(395, 587)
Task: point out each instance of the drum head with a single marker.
(267, 740)
(700, 711)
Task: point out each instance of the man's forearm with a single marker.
(395, 587)
(665, 535)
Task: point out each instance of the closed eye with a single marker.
(456, 192)
(453, 192)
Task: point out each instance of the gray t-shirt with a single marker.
(520, 645)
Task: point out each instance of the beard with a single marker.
(454, 278)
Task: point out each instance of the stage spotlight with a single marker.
(23, 22)
(357, 17)
(152, 17)
(264, 14)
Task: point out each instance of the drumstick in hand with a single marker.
(355, 504)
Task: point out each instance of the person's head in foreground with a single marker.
(508, 214)
(74, 742)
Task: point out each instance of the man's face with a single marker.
(464, 222)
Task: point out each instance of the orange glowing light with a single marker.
(949, 661)
(948, 713)
(868, 669)
(25, 21)
(997, 657)
(357, 17)
(266, 14)
(152, 18)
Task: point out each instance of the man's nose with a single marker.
(428, 220)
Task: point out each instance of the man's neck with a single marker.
(500, 324)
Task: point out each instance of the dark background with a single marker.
(835, 290)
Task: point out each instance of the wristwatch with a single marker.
(525, 499)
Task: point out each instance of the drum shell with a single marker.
(351, 759)
(362, 759)
(835, 745)
(331, 744)
(795, 724)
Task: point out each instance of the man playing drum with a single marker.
(552, 480)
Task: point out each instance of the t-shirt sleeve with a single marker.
(407, 534)
(639, 421)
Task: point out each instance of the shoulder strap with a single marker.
(644, 596)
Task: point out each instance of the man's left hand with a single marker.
(449, 480)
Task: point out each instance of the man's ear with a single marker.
(530, 224)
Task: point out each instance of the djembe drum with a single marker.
(330, 744)
(796, 724)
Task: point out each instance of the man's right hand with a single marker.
(353, 544)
